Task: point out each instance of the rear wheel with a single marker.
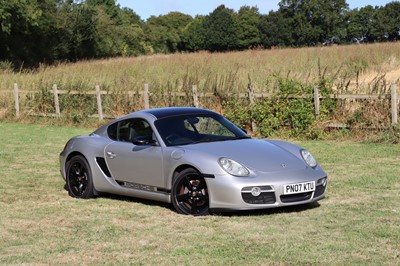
(189, 193)
(79, 178)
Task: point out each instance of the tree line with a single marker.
(46, 31)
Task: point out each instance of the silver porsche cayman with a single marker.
(195, 159)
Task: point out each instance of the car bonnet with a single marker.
(257, 155)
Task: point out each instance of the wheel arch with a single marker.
(72, 155)
(182, 167)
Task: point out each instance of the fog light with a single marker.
(256, 191)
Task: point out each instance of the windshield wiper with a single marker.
(235, 138)
(203, 140)
(243, 137)
(216, 140)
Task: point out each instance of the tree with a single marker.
(248, 19)
(315, 21)
(275, 30)
(109, 6)
(28, 33)
(132, 29)
(76, 27)
(160, 39)
(165, 32)
(194, 35)
(120, 35)
(32, 32)
(358, 24)
(220, 30)
(128, 17)
(386, 23)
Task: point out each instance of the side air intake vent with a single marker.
(103, 166)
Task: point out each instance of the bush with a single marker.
(390, 135)
(6, 66)
(290, 109)
(239, 112)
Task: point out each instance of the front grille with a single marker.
(263, 188)
(319, 191)
(296, 197)
(263, 198)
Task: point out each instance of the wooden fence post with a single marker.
(250, 89)
(394, 105)
(146, 96)
(99, 105)
(16, 98)
(316, 101)
(195, 96)
(56, 100)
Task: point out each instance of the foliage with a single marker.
(239, 112)
(77, 27)
(390, 135)
(248, 19)
(386, 23)
(36, 32)
(25, 31)
(275, 30)
(290, 109)
(6, 66)
(166, 32)
(220, 30)
(316, 22)
(358, 28)
(193, 38)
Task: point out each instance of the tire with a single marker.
(190, 194)
(79, 178)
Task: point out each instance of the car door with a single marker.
(137, 165)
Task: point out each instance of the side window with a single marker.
(126, 130)
(112, 131)
(123, 131)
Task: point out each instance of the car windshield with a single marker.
(192, 129)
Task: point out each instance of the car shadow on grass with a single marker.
(271, 211)
(228, 213)
(137, 200)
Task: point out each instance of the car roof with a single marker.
(156, 113)
(174, 111)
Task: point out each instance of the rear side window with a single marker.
(128, 129)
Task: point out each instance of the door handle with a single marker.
(111, 155)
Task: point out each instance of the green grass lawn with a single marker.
(357, 224)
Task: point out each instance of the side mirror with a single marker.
(143, 141)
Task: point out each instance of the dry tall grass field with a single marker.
(362, 65)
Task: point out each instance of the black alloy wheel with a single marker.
(79, 178)
(190, 194)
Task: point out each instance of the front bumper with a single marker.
(234, 193)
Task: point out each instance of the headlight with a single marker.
(232, 167)
(308, 158)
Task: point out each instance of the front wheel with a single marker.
(189, 193)
(79, 178)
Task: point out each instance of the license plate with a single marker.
(298, 188)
